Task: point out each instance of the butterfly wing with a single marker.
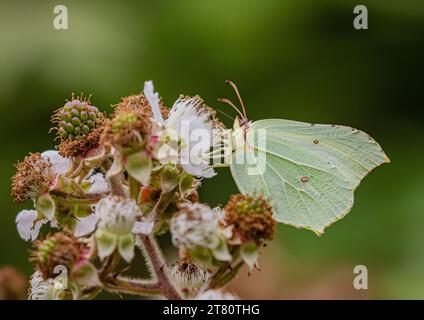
(309, 171)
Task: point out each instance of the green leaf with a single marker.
(186, 183)
(126, 247)
(46, 206)
(81, 210)
(309, 171)
(106, 243)
(249, 253)
(86, 275)
(202, 256)
(116, 166)
(168, 179)
(139, 167)
(221, 252)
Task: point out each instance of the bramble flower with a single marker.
(189, 120)
(79, 126)
(28, 224)
(116, 221)
(196, 228)
(189, 276)
(44, 289)
(126, 179)
(36, 175)
(216, 295)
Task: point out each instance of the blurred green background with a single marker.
(296, 59)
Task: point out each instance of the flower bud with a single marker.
(117, 219)
(251, 218)
(195, 225)
(197, 229)
(13, 285)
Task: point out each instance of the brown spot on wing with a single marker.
(304, 179)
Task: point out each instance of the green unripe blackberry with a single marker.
(57, 249)
(79, 126)
(76, 119)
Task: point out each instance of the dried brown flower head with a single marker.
(57, 249)
(13, 285)
(139, 103)
(33, 177)
(127, 130)
(251, 216)
(188, 275)
(79, 126)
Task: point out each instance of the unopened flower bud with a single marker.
(117, 219)
(12, 284)
(195, 225)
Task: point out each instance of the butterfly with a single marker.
(309, 171)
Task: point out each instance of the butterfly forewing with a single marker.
(311, 169)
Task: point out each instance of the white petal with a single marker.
(99, 183)
(61, 164)
(153, 98)
(85, 225)
(25, 224)
(145, 227)
(201, 170)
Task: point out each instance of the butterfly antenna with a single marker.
(238, 96)
(225, 100)
(224, 113)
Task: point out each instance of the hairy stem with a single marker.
(71, 196)
(116, 185)
(158, 265)
(130, 286)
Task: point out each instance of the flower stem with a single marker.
(70, 196)
(136, 287)
(158, 264)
